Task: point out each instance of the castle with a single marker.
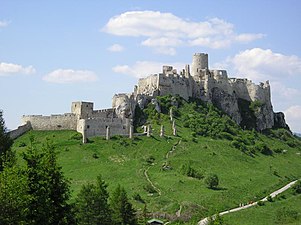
(198, 82)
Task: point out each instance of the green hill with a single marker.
(168, 173)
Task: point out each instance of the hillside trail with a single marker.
(167, 156)
(205, 221)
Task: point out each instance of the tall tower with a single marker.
(199, 62)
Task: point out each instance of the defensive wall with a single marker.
(20, 130)
(67, 121)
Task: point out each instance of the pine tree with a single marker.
(92, 204)
(6, 155)
(47, 187)
(122, 210)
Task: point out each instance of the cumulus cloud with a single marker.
(3, 23)
(62, 76)
(167, 30)
(10, 68)
(116, 48)
(293, 117)
(144, 68)
(262, 64)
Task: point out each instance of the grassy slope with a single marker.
(285, 209)
(122, 161)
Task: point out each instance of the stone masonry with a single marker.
(200, 82)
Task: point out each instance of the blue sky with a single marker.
(56, 52)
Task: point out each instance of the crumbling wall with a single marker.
(20, 130)
(67, 121)
(97, 126)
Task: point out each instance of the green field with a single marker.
(245, 174)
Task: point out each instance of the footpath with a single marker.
(205, 221)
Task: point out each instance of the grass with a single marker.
(285, 209)
(243, 177)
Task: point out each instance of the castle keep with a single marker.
(228, 94)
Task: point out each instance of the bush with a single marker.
(187, 170)
(260, 203)
(297, 187)
(150, 189)
(269, 198)
(22, 144)
(138, 198)
(150, 160)
(95, 156)
(212, 181)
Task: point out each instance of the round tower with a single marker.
(199, 62)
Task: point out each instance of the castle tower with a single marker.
(199, 62)
(83, 110)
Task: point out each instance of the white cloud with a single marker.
(10, 68)
(167, 30)
(144, 68)
(3, 23)
(70, 76)
(262, 64)
(293, 117)
(116, 48)
(284, 92)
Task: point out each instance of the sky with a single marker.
(55, 52)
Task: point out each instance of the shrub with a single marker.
(150, 189)
(260, 203)
(150, 159)
(138, 198)
(212, 181)
(269, 198)
(95, 156)
(187, 170)
(297, 187)
(22, 144)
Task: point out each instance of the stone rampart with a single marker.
(20, 130)
(97, 126)
(67, 121)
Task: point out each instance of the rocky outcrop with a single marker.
(234, 96)
(279, 121)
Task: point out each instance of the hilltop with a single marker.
(233, 96)
(167, 173)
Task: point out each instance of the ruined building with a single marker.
(230, 95)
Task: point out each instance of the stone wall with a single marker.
(20, 130)
(97, 126)
(148, 85)
(67, 121)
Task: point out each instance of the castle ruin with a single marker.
(198, 82)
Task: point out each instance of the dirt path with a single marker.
(274, 194)
(150, 182)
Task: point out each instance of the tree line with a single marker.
(37, 192)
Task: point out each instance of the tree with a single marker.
(47, 187)
(212, 181)
(122, 210)
(6, 155)
(92, 204)
(13, 196)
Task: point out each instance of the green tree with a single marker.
(212, 181)
(92, 204)
(13, 196)
(122, 210)
(6, 155)
(47, 187)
